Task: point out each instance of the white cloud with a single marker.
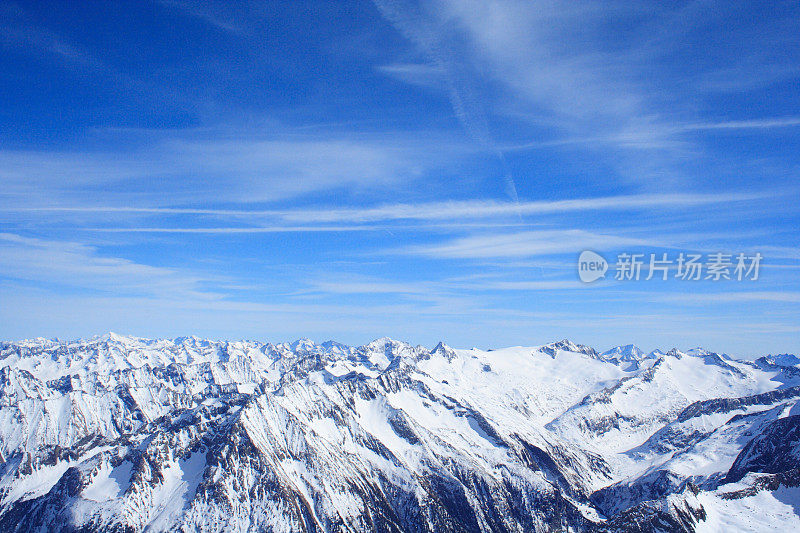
(456, 211)
(437, 290)
(22, 34)
(574, 67)
(535, 285)
(467, 210)
(271, 229)
(216, 15)
(760, 124)
(739, 296)
(421, 74)
(371, 286)
(77, 265)
(525, 244)
(244, 169)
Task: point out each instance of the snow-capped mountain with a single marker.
(627, 353)
(628, 356)
(783, 359)
(119, 433)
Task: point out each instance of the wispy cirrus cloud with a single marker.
(487, 209)
(232, 230)
(752, 73)
(18, 32)
(422, 74)
(78, 265)
(438, 288)
(217, 15)
(559, 68)
(426, 211)
(434, 38)
(359, 204)
(169, 169)
(759, 124)
(528, 50)
(524, 244)
(735, 297)
(658, 135)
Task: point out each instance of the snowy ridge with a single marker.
(129, 434)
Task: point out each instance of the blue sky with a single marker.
(425, 171)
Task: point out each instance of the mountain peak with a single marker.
(302, 345)
(784, 359)
(116, 337)
(203, 400)
(698, 351)
(628, 353)
(382, 341)
(444, 350)
(567, 345)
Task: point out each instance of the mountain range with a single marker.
(125, 434)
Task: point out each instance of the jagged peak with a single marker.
(390, 348)
(783, 359)
(333, 346)
(188, 338)
(401, 364)
(698, 351)
(304, 343)
(567, 345)
(627, 352)
(443, 350)
(441, 346)
(385, 341)
(674, 352)
(116, 337)
(319, 408)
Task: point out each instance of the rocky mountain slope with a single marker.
(125, 434)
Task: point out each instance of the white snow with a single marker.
(765, 511)
(323, 424)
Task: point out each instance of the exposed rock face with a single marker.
(775, 450)
(125, 434)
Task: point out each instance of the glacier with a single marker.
(118, 433)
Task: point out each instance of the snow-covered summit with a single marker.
(627, 353)
(125, 433)
(784, 359)
(566, 345)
